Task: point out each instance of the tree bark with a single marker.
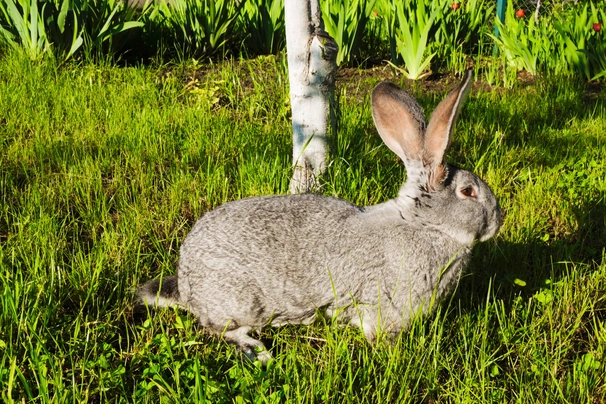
(312, 67)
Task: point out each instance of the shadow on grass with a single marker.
(511, 269)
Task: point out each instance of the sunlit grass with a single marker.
(104, 170)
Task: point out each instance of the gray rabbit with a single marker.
(278, 260)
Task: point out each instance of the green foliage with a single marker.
(526, 43)
(414, 21)
(345, 21)
(418, 37)
(463, 27)
(419, 30)
(263, 21)
(62, 27)
(198, 28)
(582, 49)
(562, 43)
(27, 25)
(104, 23)
(462, 31)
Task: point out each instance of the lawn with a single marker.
(104, 169)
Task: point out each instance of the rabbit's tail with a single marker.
(163, 292)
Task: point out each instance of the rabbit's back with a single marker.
(265, 258)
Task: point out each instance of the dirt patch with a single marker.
(357, 82)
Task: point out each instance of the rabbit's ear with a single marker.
(439, 131)
(400, 121)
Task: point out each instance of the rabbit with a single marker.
(278, 260)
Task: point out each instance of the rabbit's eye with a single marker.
(468, 192)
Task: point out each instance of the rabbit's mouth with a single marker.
(488, 236)
(494, 224)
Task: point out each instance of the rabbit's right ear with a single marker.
(401, 123)
(439, 131)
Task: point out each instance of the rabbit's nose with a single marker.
(499, 218)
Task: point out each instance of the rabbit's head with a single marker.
(435, 195)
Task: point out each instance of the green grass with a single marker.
(103, 170)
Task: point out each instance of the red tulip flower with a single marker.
(520, 13)
(597, 27)
(456, 6)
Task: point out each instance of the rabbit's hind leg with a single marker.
(252, 348)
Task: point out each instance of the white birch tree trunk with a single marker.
(312, 68)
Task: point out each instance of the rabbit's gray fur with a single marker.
(278, 259)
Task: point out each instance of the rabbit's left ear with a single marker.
(439, 131)
(400, 121)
